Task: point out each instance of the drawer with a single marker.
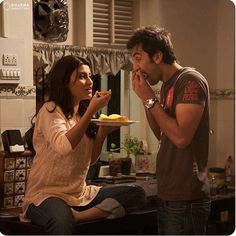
(18, 200)
(8, 202)
(20, 175)
(29, 161)
(9, 163)
(9, 175)
(20, 162)
(8, 188)
(19, 187)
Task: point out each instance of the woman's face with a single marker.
(80, 84)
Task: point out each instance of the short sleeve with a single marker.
(191, 91)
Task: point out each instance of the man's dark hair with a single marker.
(153, 39)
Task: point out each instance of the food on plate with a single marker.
(103, 93)
(114, 117)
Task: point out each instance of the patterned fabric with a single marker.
(58, 170)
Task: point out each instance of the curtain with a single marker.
(102, 60)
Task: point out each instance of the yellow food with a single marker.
(114, 117)
(103, 93)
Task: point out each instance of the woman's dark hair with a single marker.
(153, 39)
(58, 90)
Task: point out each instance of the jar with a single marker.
(213, 186)
(141, 163)
(218, 173)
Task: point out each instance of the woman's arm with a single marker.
(75, 134)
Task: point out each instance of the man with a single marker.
(180, 120)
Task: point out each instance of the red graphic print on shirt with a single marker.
(169, 97)
(191, 91)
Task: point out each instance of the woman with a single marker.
(66, 144)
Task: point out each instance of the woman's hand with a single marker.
(98, 102)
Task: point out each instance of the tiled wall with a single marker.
(17, 107)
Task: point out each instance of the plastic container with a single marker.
(229, 169)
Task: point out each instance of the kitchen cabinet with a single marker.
(14, 171)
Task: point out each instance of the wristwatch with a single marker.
(149, 103)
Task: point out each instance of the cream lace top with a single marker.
(57, 170)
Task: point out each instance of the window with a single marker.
(113, 22)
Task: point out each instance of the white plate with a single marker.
(113, 123)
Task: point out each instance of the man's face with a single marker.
(146, 65)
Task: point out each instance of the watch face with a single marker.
(149, 103)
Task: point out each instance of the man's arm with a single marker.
(153, 124)
(179, 130)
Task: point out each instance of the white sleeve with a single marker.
(53, 126)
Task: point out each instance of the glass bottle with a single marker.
(228, 170)
(213, 186)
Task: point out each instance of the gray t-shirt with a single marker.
(182, 173)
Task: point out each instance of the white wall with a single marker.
(17, 23)
(224, 109)
(17, 105)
